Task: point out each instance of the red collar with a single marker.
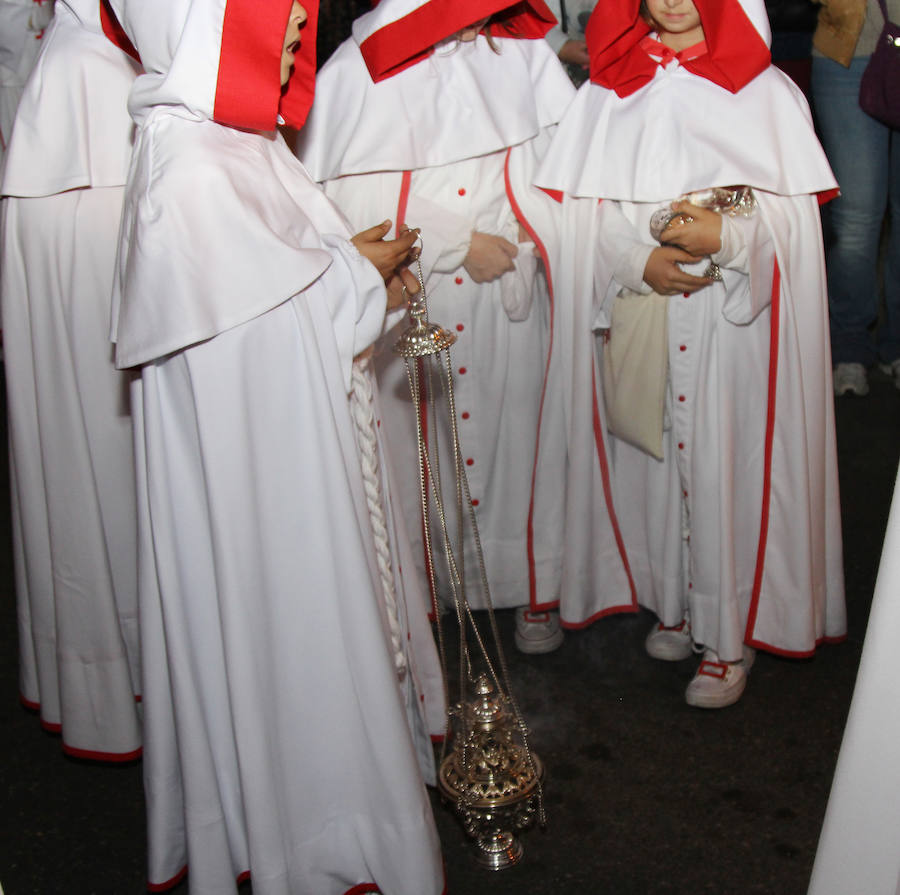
(620, 59)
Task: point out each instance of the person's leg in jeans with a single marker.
(857, 147)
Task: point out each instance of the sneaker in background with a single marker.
(893, 370)
(670, 644)
(718, 684)
(537, 632)
(850, 379)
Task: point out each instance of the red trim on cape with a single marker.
(529, 229)
(406, 41)
(737, 51)
(774, 327)
(115, 32)
(248, 89)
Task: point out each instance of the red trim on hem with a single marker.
(796, 654)
(774, 326)
(115, 757)
(624, 609)
(169, 883)
(56, 729)
(362, 888)
(243, 877)
(114, 32)
(529, 229)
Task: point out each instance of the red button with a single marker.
(463, 371)
(475, 502)
(470, 462)
(680, 445)
(459, 327)
(462, 191)
(687, 294)
(459, 281)
(684, 493)
(682, 347)
(465, 414)
(681, 397)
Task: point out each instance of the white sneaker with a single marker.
(670, 644)
(537, 632)
(893, 370)
(718, 684)
(850, 379)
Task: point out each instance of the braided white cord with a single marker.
(363, 412)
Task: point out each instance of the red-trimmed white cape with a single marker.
(740, 521)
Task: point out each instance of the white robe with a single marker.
(71, 452)
(440, 146)
(859, 850)
(739, 523)
(279, 739)
(740, 520)
(499, 363)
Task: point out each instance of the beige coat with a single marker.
(840, 24)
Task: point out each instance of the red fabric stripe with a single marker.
(796, 654)
(406, 41)
(115, 32)
(767, 461)
(403, 201)
(529, 534)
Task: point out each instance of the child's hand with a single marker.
(387, 256)
(663, 275)
(489, 257)
(698, 231)
(397, 295)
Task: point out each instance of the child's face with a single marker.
(677, 22)
(296, 20)
(470, 32)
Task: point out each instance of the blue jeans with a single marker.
(865, 157)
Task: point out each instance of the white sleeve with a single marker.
(446, 237)
(625, 253)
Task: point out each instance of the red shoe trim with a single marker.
(717, 670)
(536, 617)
